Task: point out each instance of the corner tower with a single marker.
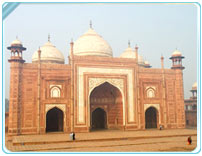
(178, 89)
(16, 49)
(16, 67)
(194, 91)
(177, 60)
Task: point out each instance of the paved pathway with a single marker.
(105, 141)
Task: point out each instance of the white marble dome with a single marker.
(130, 53)
(16, 42)
(194, 86)
(146, 62)
(176, 53)
(49, 54)
(91, 43)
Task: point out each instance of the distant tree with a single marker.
(6, 105)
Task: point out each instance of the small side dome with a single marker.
(194, 86)
(147, 64)
(49, 54)
(176, 53)
(140, 60)
(91, 43)
(130, 53)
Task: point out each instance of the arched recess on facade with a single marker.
(55, 92)
(108, 98)
(151, 117)
(150, 92)
(54, 120)
(62, 118)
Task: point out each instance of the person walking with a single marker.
(189, 140)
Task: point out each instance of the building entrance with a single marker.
(151, 118)
(99, 119)
(106, 107)
(54, 120)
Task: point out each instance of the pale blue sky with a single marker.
(156, 28)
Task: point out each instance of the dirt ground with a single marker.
(142, 141)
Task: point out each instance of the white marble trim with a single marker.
(80, 90)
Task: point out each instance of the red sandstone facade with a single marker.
(93, 92)
(23, 111)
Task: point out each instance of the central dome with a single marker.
(91, 43)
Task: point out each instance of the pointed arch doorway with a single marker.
(151, 118)
(99, 119)
(106, 107)
(54, 120)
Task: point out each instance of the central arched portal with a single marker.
(106, 107)
(151, 118)
(54, 120)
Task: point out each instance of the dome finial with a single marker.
(72, 40)
(91, 24)
(128, 43)
(48, 37)
(136, 47)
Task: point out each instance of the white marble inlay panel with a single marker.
(94, 82)
(80, 89)
(151, 105)
(60, 106)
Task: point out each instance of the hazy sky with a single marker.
(158, 29)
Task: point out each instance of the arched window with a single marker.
(55, 92)
(150, 93)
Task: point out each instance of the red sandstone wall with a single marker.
(50, 74)
(191, 118)
(29, 99)
(172, 112)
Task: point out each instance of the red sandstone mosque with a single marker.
(93, 91)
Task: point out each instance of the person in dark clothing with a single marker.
(160, 127)
(189, 140)
(74, 136)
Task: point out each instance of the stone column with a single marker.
(15, 100)
(179, 92)
(138, 89)
(164, 104)
(72, 87)
(39, 92)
